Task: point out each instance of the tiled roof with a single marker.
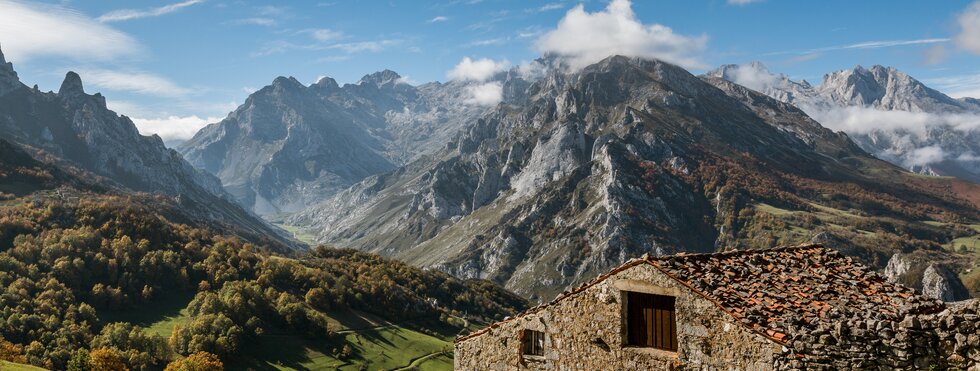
(772, 290)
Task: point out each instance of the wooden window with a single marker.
(532, 343)
(651, 321)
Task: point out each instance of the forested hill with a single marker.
(89, 274)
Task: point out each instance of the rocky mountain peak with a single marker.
(326, 83)
(290, 82)
(8, 77)
(380, 78)
(72, 85)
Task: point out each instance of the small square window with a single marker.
(651, 321)
(532, 343)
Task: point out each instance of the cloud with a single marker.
(755, 78)
(969, 36)
(864, 45)
(128, 14)
(476, 70)
(254, 21)
(925, 156)
(35, 30)
(488, 42)
(585, 38)
(173, 128)
(546, 8)
(325, 34)
(488, 94)
(135, 82)
(863, 120)
(364, 46)
(440, 18)
(743, 2)
(959, 86)
(907, 132)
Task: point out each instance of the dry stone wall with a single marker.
(948, 340)
(584, 332)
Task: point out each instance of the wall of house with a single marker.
(941, 341)
(586, 332)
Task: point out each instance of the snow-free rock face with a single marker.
(625, 157)
(887, 112)
(940, 282)
(290, 145)
(76, 127)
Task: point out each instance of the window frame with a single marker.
(657, 315)
(528, 337)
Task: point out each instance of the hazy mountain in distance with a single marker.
(887, 112)
(291, 145)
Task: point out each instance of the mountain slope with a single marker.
(87, 266)
(291, 145)
(626, 157)
(887, 112)
(77, 129)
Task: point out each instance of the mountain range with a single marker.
(887, 112)
(76, 129)
(629, 157)
(291, 145)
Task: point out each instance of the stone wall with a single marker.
(946, 340)
(585, 332)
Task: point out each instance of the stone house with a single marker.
(802, 307)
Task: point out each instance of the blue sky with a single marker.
(175, 64)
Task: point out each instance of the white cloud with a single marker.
(546, 8)
(476, 70)
(585, 38)
(440, 18)
(364, 46)
(488, 42)
(743, 2)
(173, 128)
(864, 45)
(969, 36)
(34, 30)
(957, 86)
(128, 14)
(757, 79)
(863, 120)
(135, 82)
(325, 34)
(487, 94)
(925, 156)
(254, 21)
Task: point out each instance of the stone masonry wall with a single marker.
(948, 340)
(585, 332)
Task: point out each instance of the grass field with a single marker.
(374, 349)
(10, 366)
(374, 343)
(166, 311)
(298, 233)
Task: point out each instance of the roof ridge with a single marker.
(805, 246)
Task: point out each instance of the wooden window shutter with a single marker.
(651, 321)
